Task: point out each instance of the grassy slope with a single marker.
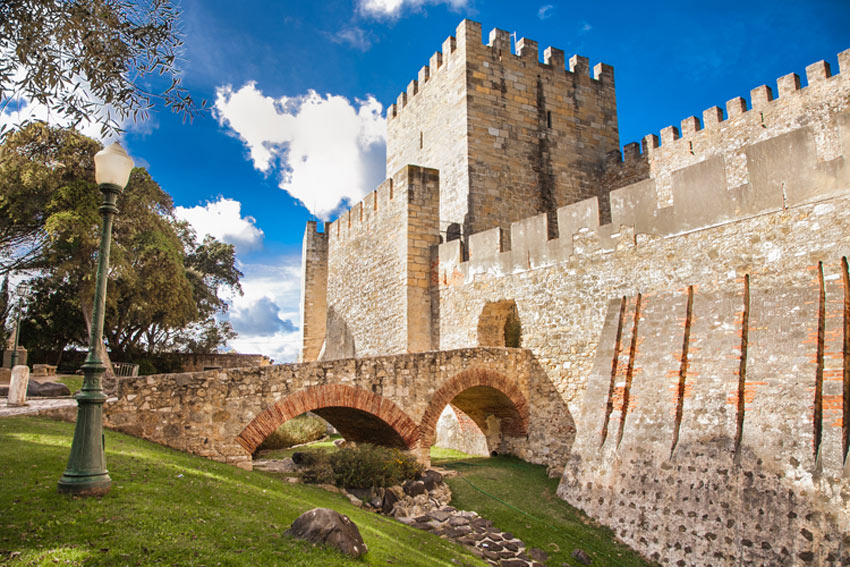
(169, 508)
(520, 498)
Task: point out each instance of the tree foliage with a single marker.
(85, 59)
(163, 290)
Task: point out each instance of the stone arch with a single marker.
(358, 414)
(499, 325)
(478, 392)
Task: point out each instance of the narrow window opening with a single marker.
(421, 140)
(548, 118)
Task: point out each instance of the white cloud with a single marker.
(358, 38)
(545, 11)
(269, 287)
(392, 8)
(327, 150)
(223, 220)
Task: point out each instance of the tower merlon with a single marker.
(844, 62)
(527, 49)
(788, 84)
(467, 32)
(691, 125)
(712, 117)
(579, 65)
(818, 71)
(500, 40)
(760, 96)
(554, 57)
(604, 73)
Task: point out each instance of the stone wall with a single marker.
(394, 400)
(725, 444)
(455, 430)
(379, 263)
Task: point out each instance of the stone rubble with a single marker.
(424, 504)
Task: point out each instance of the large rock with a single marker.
(47, 389)
(391, 496)
(328, 527)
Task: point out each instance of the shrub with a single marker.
(298, 430)
(368, 466)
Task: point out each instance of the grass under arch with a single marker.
(170, 508)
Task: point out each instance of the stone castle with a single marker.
(685, 303)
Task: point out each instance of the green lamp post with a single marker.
(22, 290)
(86, 474)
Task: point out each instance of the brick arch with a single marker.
(329, 396)
(514, 408)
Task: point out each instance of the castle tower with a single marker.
(314, 290)
(511, 137)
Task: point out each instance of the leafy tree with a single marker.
(86, 59)
(54, 319)
(163, 286)
(40, 167)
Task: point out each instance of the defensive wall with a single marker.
(372, 285)
(510, 135)
(392, 400)
(700, 339)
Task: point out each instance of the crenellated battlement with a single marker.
(364, 215)
(468, 45)
(767, 110)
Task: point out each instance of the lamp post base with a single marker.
(85, 485)
(86, 473)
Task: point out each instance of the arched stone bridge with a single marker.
(391, 400)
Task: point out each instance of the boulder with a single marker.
(391, 496)
(414, 487)
(582, 557)
(431, 479)
(46, 389)
(328, 527)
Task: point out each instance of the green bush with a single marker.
(367, 466)
(298, 430)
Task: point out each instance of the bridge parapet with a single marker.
(224, 415)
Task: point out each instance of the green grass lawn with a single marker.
(518, 497)
(73, 382)
(170, 508)
(323, 446)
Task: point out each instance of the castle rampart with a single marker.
(700, 342)
(688, 299)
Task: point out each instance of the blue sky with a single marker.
(299, 89)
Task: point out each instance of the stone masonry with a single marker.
(687, 299)
(392, 400)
